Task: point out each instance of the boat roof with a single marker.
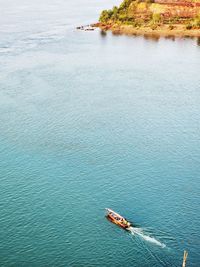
(112, 211)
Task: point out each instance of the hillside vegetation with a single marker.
(154, 14)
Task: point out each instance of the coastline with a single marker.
(161, 18)
(161, 31)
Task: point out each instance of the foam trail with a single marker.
(139, 232)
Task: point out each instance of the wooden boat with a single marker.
(117, 219)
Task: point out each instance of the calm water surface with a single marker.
(89, 121)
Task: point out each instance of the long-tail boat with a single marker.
(115, 218)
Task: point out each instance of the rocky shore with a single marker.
(163, 31)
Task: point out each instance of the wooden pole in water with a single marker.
(185, 258)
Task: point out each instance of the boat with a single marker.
(117, 219)
(86, 28)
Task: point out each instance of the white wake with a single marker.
(139, 232)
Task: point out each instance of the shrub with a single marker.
(189, 26)
(134, 24)
(122, 17)
(197, 22)
(139, 22)
(154, 27)
(156, 17)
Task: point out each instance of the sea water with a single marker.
(90, 120)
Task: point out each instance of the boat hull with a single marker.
(117, 219)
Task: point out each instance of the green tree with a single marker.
(115, 13)
(125, 4)
(105, 15)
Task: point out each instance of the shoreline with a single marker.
(161, 31)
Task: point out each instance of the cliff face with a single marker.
(180, 9)
(154, 13)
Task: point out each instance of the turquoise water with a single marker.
(89, 121)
